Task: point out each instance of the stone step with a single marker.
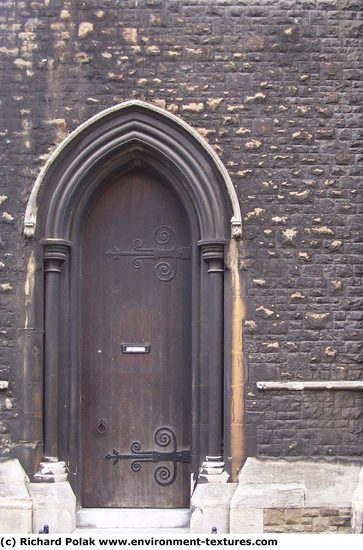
(133, 519)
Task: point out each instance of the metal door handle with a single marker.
(101, 426)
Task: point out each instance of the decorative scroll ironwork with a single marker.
(164, 270)
(163, 475)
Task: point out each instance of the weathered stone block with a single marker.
(254, 42)
(210, 506)
(357, 506)
(320, 525)
(349, 4)
(329, 512)
(292, 516)
(85, 28)
(350, 29)
(271, 495)
(246, 520)
(16, 516)
(15, 501)
(273, 516)
(54, 504)
(343, 520)
(316, 320)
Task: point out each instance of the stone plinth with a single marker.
(15, 502)
(210, 507)
(249, 502)
(54, 504)
(304, 496)
(357, 506)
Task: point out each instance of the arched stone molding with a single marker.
(136, 121)
(115, 141)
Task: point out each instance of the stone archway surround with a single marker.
(121, 137)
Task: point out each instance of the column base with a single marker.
(51, 470)
(212, 471)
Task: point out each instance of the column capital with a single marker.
(55, 252)
(212, 251)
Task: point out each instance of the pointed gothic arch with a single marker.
(119, 139)
(119, 128)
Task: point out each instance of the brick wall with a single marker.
(274, 86)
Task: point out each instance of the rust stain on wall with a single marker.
(29, 291)
(237, 374)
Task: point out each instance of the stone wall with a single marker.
(307, 520)
(274, 86)
(302, 496)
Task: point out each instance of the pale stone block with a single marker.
(357, 506)
(12, 471)
(326, 484)
(216, 475)
(196, 521)
(357, 517)
(272, 495)
(15, 502)
(246, 520)
(133, 518)
(51, 471)
(15, 520)
(84, 29)
(210, 507)
(54, 504)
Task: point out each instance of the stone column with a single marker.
(55, 254)
(212, 252)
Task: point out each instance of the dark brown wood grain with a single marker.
(129, 299)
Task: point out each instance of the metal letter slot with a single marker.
(135, 348)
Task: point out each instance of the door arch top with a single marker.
(131, 126)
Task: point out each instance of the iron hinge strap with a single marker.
(164, 436)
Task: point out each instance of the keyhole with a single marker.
(101, 426)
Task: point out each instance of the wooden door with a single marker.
(136, 347)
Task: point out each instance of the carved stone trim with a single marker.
(213, 252)
(213, 470)
(55, 253)
(311, 385)
(30, 220)
(116, 140)
(51, 470)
